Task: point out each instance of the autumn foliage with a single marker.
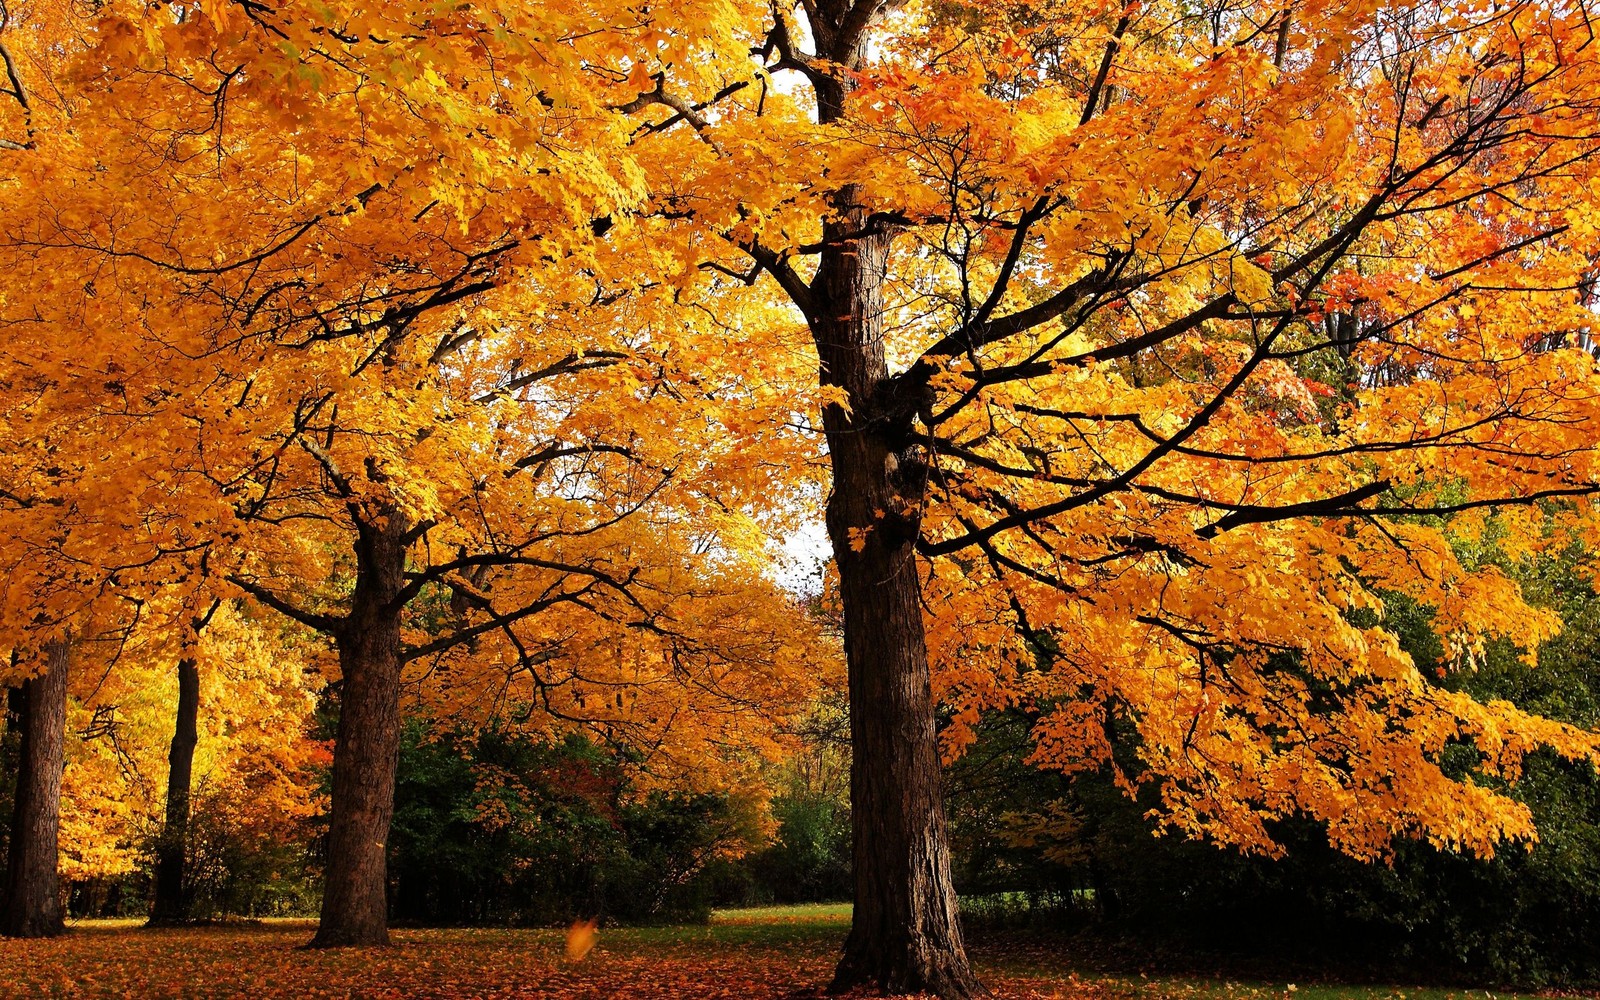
(475, 357)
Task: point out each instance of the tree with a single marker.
(171, 903)
(42, 606)
(1155, 336)
(254, 793)
(33, 891)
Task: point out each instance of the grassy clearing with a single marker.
(784, 953)
(819, 914)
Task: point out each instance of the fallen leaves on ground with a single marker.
(681, 963)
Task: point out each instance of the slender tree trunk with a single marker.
(367, 748)
(10, 763)
(905, 935)
(171, 901)
(15, 695)
(33, 889)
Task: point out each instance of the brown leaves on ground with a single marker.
(263, 963)
(752, 961)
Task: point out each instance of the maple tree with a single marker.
(1162, 337)
(36, 674)
(32, 895)
(1020, 830)
(168, 904)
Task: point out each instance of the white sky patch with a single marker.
(798, 560)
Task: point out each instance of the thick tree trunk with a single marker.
(367, 747)
(33, 890)
(171, 903)
(905, 935)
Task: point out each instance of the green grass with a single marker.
(820, 914)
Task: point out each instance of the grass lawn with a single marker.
(778, 952)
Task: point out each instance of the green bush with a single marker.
(496, 827)
(808, 860)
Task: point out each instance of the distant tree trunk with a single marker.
(171, 903)
(33, 889)
(905, 935)
(10, 762)
(367, 748)
(10, 766)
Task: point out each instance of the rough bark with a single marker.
(171, 904)
(367, 746)
(905, 935)
(33, 890)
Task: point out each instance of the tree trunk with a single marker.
(905, 935)
(33, 890)
(366, 749)
(10, 764)
(171, 903)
